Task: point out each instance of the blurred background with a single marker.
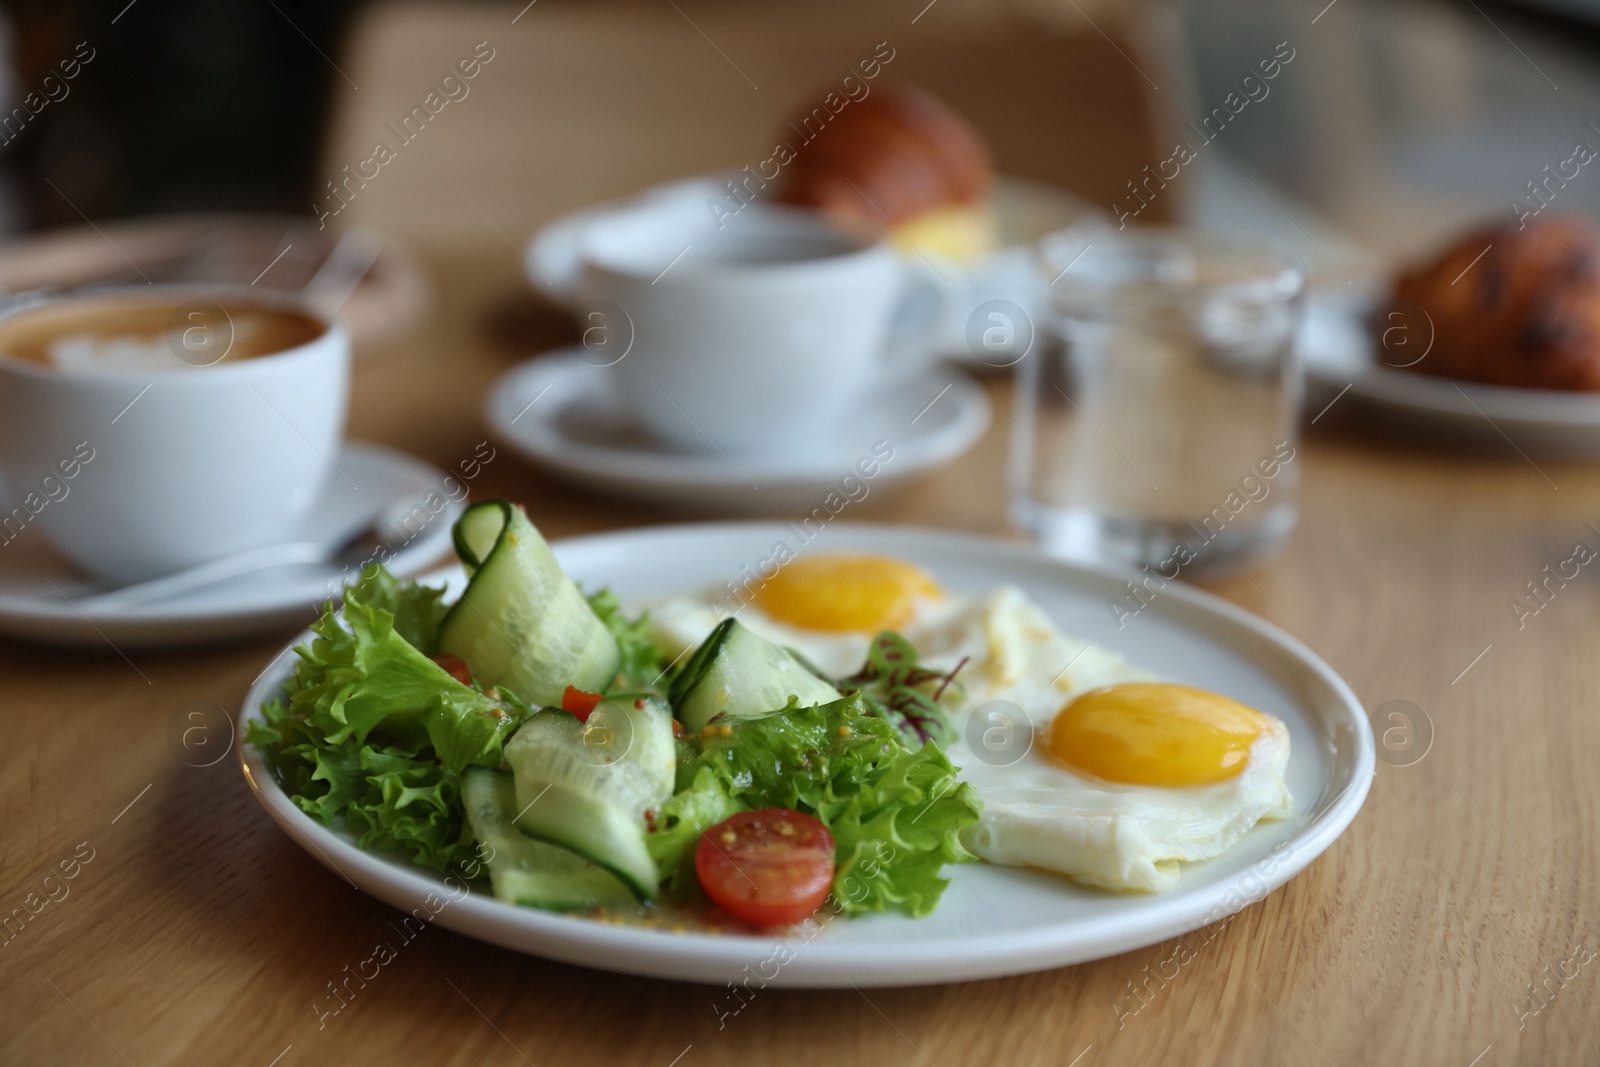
(196, 105)
(1395, 122)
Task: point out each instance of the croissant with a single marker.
(896, 162)
(1508, 305)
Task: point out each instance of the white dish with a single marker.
(992, 921)
(1027, 210)
(560, 411)
(39, 591)
(1340, 356)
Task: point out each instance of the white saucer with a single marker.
(1340, 357)
(39, 591)
(1025, 210)
(560, 412)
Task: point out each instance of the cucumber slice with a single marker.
(738, 675)
(586, 785)
(694, 668)
(522, 622)
(524, 870)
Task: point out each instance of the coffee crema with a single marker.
(113, 334)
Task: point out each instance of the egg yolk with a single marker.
(1151, 733)
(843, 594)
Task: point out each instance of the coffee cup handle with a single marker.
(926, 298)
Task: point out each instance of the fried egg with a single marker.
(1123, 784)
(1086, 765)
(826, 607)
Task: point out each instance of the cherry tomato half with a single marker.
(770, 867)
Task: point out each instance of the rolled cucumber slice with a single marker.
(587, 785)
(524, 870)
(738, 675)
(522, 622)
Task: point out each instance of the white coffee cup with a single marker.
(751, 336)
(172, 463)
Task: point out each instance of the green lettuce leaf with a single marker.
(417, 609)
(639, 661)
(894, 811)
(682, 819)
(371, 731)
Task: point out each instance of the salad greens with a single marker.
(894, 811)
(895, 688)
(417, 609)
(640, 662)
(372, 731)
(379, 732)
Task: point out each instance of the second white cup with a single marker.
(753, 336)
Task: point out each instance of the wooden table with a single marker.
(194, 932)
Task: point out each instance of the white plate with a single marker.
(992, 920)
(39, 591)
(1340, 355)
(559, 411)
(1026, 210)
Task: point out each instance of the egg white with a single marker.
(677, 626)
(1036, 811)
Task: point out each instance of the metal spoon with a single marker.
(354, 551)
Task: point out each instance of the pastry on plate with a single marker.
(1508, 306)
(897, 163)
